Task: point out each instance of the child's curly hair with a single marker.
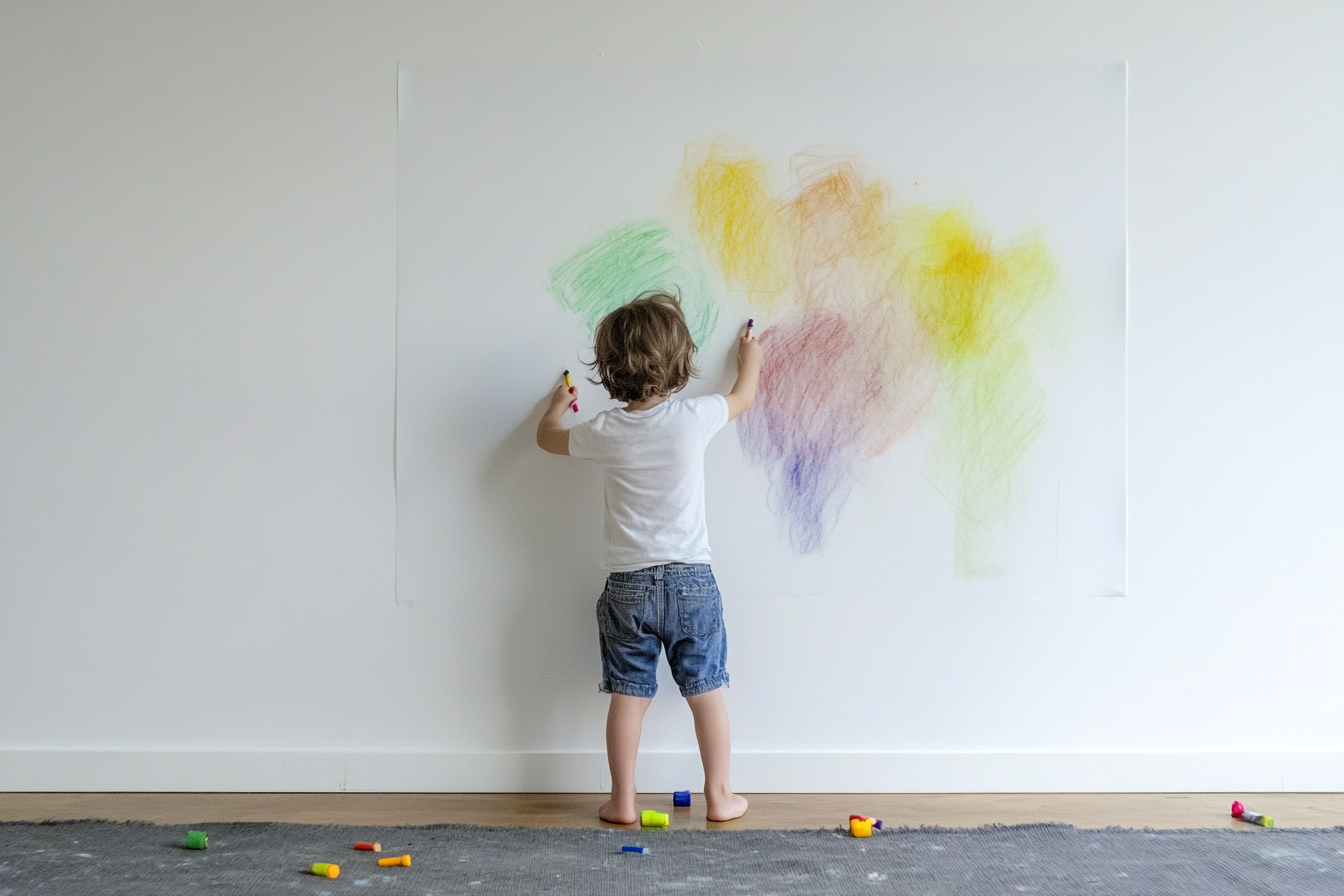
(644, 349)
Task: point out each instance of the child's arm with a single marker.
(551, 433)
(748, 375)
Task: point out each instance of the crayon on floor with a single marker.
(1246, 815)
(326, 869)
(404, 861)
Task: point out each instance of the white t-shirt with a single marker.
(653, 470)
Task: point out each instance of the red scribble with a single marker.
(852, 372)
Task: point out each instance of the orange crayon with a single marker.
(404, 861)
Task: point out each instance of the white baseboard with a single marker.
(426, 772)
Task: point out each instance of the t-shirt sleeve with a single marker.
(712, 413)
(584, 442)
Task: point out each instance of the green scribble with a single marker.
(632, 259)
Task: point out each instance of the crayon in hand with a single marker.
(569, 384)
(751, 322)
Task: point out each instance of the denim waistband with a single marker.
(665, 571)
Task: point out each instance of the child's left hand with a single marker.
(552, 435)
(562, 399)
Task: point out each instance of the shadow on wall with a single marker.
(546, 512)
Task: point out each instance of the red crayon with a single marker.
(369, 847)
(569, 384)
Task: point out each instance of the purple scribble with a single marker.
(846, 376)
(807, 425)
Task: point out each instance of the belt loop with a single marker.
(658, 573)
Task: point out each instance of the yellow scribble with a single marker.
(975, 303)
(738, 219)
(965, 294)
(955, 278)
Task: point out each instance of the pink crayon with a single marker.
(569, 384)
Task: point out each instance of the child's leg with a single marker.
(716, 750)
(625, 720)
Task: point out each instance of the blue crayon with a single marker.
(642, 850)
(681, 798)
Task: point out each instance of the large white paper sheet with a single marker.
(934, 256)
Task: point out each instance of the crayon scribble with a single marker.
(738, 219)
(974, 303)
(884, 317)
(636, 258)
(850, 370)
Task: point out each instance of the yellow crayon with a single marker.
(569, 384)
(404, 861)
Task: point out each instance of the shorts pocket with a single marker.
(700, 609)
(620, 610)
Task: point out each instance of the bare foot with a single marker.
(726, 807)
(616, 813)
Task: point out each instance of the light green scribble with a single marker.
(979, 303)
(633, 259)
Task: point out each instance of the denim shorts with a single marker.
(676, 607)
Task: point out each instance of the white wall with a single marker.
(197, 285)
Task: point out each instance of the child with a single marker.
(660, 591)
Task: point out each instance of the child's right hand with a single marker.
(748, 350)
(743, 394)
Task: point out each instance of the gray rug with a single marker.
(92, 858)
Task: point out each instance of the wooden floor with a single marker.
(768, 810)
